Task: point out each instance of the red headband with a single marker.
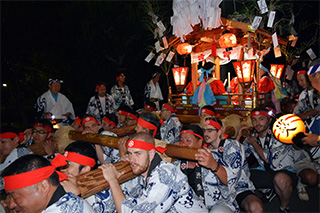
(144, 145)
(100, 86)
(146, 124)
(213, 123)
(11, 135)
(46, 127)
(122, 112)
(117, 78)
(169, 108)
(208, 111)
(78, 120)
(187, 131)
(257, 113)
(149, 107)
(80, 159)
(30, 178)
(109, 121)
(132, 116)
(302, 72)
(89, 118)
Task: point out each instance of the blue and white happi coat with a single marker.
(307, 102)
(102, 202)
(59, 106)
(93, 109)
(14, 155)
(170, 131)
(314, 128)
(279, 155)
(69, 203)
(166, 190)
(121, 95)
(231, 157)
(110, 155)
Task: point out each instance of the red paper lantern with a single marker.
(228, 40)
(276, 70)
(180, 75)
(184, 48)
(244, 71)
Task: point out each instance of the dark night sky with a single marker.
(82, 43)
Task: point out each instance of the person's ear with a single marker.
(43, 187)
(15, 141)
(152, 153)
(85, 170)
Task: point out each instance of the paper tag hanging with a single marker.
(272, 15)
(158, 47)
(256, 22)
(165, 42)
(262, 6)
(149, 57)
(170, 56)
(277, 52)
(275, 39)
(160, 59)
(311, 54)
(249, 41)
(293, 31)
(160, 32)
(161, 26)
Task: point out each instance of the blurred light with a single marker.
(4, 85)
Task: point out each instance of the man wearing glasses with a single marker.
(41, 133)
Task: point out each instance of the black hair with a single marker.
(101, 83)
(112, 117)
(28, 163)
(153, 119)
(152, 104)
(135, 113)
(83, 148)
(209, 107)
(218, 120)
(193, 128)
(45, 122)
(124, 107)
(5, 129)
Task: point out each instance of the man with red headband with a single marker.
(76, 124)
(165, 189)
(33, 186)
(132, 118)
(105, 154)
(109, 121)
(81, 157)
(120, 92)
(41, 133)
(101, 103)
(275, 159)
(123, 111)
(308, 105)
(171, 126)
(53, 103)
(225, 150)
(207, 111)
(9, 150)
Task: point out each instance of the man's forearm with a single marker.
(117, 194)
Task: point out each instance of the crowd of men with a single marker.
(220, 179)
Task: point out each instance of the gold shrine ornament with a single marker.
(288, 126)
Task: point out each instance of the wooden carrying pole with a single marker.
(93, 182)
